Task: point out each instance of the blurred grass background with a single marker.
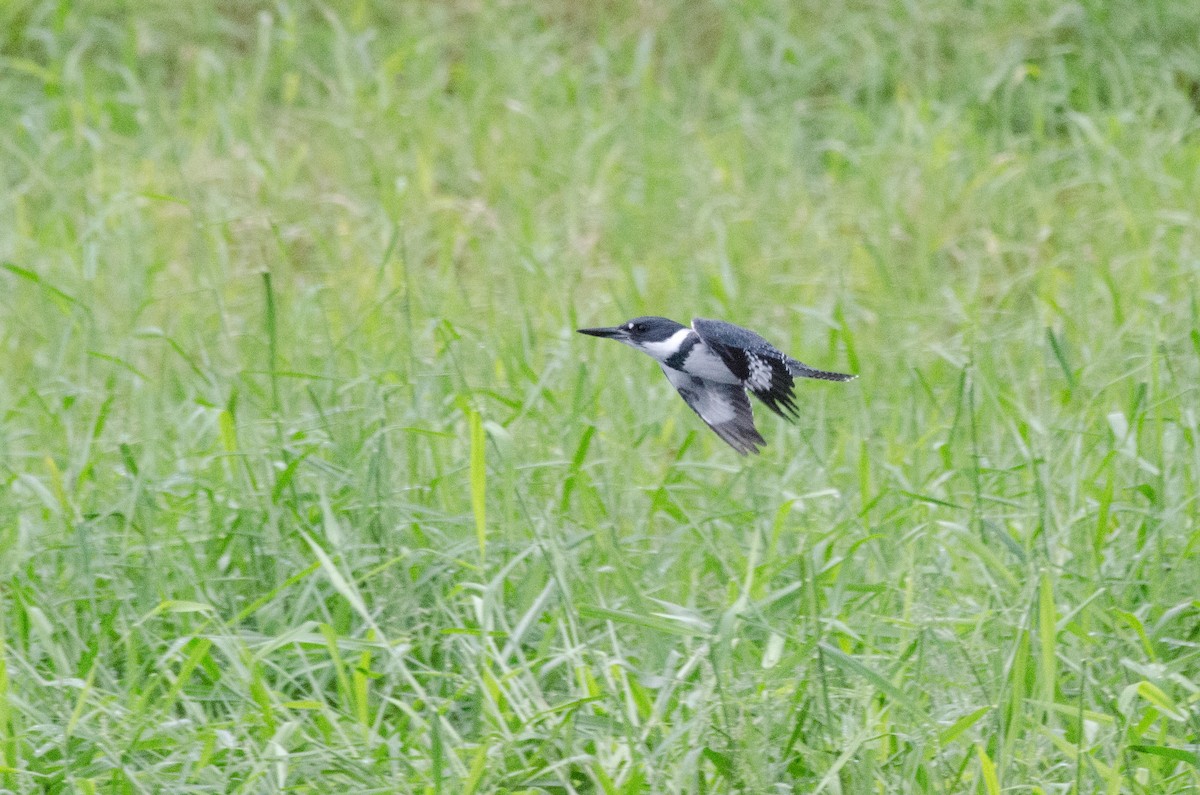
(308, 484)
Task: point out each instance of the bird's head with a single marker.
(657, 336)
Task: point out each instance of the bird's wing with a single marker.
(724, 407)
(725, 339)
(763, 368)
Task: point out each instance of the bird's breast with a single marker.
(701, 362)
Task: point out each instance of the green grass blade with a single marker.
(478, 476)
(1047, 619)
(954, 730)
(987, 769)
(1167, 752)
(854, 666)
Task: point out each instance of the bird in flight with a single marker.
(712, 364)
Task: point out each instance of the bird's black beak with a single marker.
(610, 331)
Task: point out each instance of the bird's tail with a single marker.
(802, 370)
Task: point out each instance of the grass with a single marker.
(308, 484)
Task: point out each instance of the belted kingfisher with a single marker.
(712, 364)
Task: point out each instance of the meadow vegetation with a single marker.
(307, 484)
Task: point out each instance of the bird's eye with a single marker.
(638, 327)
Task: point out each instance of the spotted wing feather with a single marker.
(761, 366)
(771, 382)
(764, 369)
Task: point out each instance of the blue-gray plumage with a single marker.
(712, 364)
